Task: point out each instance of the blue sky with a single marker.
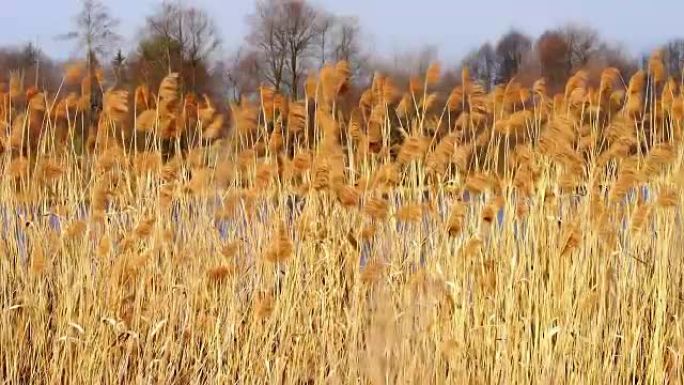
(390, 26)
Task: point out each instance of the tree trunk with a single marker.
(95, 97)
(293, 62)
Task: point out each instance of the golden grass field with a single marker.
(509, 237)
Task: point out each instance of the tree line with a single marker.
(286, 39)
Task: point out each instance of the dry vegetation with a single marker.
(503, 237)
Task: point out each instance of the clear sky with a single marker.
(454, 27)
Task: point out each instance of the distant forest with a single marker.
(286, 40)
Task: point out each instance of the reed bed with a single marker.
(499, 237)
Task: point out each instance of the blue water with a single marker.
(13, 223)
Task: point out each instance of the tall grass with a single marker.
(502, 237)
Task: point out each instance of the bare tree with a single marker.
(483, 65)
(266, 39)
(674, 57)
(511, 50)
(180, 39)
(96, 33)
(339, 39)
(284, 33)
(582, 42)
(302, 26)
(347, 43)
(241, 72)
(95, 29)
(323, 39)
(612, 55)
(30, 61)
(162, 34)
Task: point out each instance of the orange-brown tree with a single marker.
(554, 55)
